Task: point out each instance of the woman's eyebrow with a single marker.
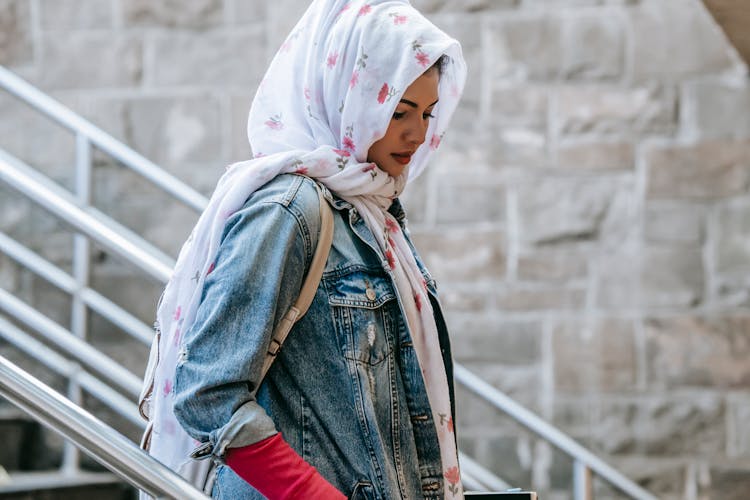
(414, 104)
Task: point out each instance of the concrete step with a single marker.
(55, 485)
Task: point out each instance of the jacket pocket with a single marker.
(364, 307)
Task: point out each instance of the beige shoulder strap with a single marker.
(309, 287)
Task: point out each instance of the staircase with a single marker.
(93, 379)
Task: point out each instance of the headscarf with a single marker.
(328, 95)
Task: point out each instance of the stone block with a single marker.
(709, 352)
(198, 14)
(432, 6)
(554, 210)
(552, 266)
(732, 244)
(63, 15)
(518, 380)
(525, 299)
(239, 109)
(16, 45)
(704, 171)
(738, 433)
(674, 223)
(729, 482)
(510, 457)
(525, 46)
(674, 39)
(617, 279)
(718, 109)
(595, 155)
(36, 140)
(88, 60)
(665, 426)
(465, 298)
(469, 200)
(672, 277)
(282, 16)
(593, 45)
(467, 29)
(450, 259)
(215, 58)
(595, 356)
(177, 133)
(521, 105)
(123, 284)
(244, 12)
(615, 110)
(518, 146)
(664, 478)
(482, 339)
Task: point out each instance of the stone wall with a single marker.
(587, 220)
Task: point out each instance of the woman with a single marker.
(359, 401)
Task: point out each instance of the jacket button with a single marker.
(370, 294)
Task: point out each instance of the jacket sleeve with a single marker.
(259, 269)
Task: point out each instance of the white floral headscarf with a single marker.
(328, 95)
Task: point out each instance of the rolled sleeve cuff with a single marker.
(248, 425)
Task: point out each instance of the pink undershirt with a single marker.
(273, 468)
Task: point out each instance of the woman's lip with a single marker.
(403, 159)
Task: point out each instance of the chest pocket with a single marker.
(365, 312)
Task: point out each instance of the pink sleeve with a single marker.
(273, 468)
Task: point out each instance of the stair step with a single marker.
(57, 485)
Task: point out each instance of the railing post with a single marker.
(582, 481)
(81, 271)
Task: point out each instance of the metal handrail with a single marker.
(584, 460)
(102, 140)
(107, 446)
(88, 220)
(60, 365)
(93, 299)
(74, 346)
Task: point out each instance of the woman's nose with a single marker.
(416, 132)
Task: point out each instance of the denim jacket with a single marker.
(346, 390)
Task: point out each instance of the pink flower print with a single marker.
(344, 9)
(348, 143)
(307, 93)
(177, 335)
(398, 18)
(391, 259)
(342, 159)
(301, 170)
(167, 387)
(391, 224)
(423, 59)
(365, 9)
(177, 313)
(434, 141)
(370, 167)
(332, 58)
(275, 123)
(211, 268)
(418, 302)
(383, 93)
(452, 475)
(354, 79)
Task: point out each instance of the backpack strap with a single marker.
(309, 287)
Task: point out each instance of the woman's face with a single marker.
(408, 127)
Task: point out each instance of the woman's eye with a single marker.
(398, 115)
(427, 116)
